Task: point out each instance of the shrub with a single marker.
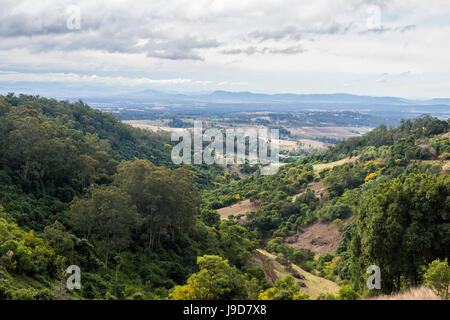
(437, 278)
(347, 293)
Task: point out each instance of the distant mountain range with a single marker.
(226, 102)
(232, 102)
(250, 97)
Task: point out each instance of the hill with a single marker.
(78, 187)
(355, 188)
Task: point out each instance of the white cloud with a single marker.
(58, 77)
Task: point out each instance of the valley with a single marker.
(141, 227)
(224, 159)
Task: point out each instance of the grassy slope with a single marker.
(315, 285)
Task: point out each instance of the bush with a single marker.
(437, 278)
(347, 293)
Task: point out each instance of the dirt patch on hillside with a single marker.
(443, 164)
(238, 209)
(318, 188)
(423, 143)
(307, 143)
(235, 168)
(320, 238)
(319, 167)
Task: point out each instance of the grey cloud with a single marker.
(104, 29)
(290, 32)
(247, 51)
(295, 33)
(180, 49)
(184, 48)
(384, 29)
(27, 24)
(271, 50)
(21, 18)
(289, 50)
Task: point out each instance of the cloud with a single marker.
(60, 77)
(316, 45)
(384, 29)
(386, 76)
(102, 28)
(296, 33)
(179, 49)
(272, 50)
(288, 50)
(247, 51)
(11, 76)
(289, 32)
(177, 30)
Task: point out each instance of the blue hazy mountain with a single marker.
(245, 101)
(250, 97)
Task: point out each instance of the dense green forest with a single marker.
(78, 187)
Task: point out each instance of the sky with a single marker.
(382, 48)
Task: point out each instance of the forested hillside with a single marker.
(79, 187)
(388, 195)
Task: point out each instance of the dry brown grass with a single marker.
(315, 285)
(319, 167)
(318, 188)
(418, 293)
(153, 125)
(444, 164)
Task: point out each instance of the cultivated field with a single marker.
(306, 136)
(328, 132)
(152, 125)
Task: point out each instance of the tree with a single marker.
(400, 226)
(106, 217)
(210, 217)
(347, 293)
(216, 280)
(284, 289)
(437, 278)
(165, 199)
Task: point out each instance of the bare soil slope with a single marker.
(238, 209)
(317, 187)
(320, 238)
